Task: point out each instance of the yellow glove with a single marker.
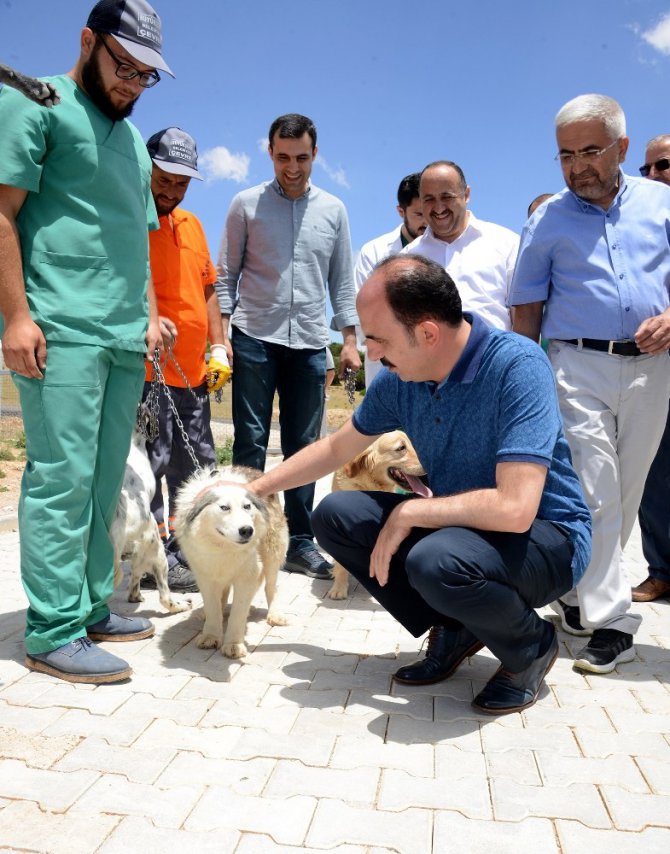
(218, 369)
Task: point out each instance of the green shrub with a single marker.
(224, 453)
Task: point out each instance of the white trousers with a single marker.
(614, 410)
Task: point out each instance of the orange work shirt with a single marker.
(181, 268)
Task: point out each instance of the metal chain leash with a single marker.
(159, 385)
(350, 385)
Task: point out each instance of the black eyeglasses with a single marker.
(126, 71)
(660, 166)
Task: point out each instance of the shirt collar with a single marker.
(465, 369)
(280, 191)
(473, 223)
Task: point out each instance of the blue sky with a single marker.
(390, 84)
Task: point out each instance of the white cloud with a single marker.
(659, 36)
(262, 144)
(219, 164)
(338, 175)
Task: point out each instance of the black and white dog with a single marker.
(134, 530)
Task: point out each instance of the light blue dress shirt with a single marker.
(600, 273)
(277, 257)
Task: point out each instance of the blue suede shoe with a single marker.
(118, 628)
(512, 692)
(80, 661)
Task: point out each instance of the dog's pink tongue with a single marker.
(418, 487)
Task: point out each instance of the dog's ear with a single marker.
(202, 501)
(260, 505)
(359, 462)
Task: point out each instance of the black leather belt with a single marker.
(615, 348)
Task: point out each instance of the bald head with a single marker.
(657, 159)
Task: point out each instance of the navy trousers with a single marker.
(487, 581)
(654, 512)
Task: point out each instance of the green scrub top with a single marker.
(84, 224)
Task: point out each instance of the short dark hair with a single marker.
(418, 289)
(292, 126)
(454, 166)
(408, 189)
(537, 201)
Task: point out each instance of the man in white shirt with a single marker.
(479, 256)
(413, 224)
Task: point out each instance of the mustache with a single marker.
(385, 362)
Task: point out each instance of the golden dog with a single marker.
(389, 464)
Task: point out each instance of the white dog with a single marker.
(134, 530)
(230, 538)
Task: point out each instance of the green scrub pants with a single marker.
(78, 422)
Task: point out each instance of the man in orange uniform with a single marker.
(183, 276)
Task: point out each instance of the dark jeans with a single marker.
(654, 515)
(298, 376)
(489, 582)
(168, 454)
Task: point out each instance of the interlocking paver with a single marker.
(520, 765)
(139, 766)
(302, 696)
(187, 712)
(52, 790)
(470, 796)
(416, 759)
(324, 722)
(656, 772)
(215, 742)
(418, 706)
(639, 722)
(253, 843)
(594, 743)
(28, 720)
(564, 770)
(228, 713)
(336, 823)
(286, 820)
(115, 794)
(140, 834)
(558, 739)
(39, 751)
(356, 786)
(576, 839)
(315, 751)
(631, 811)
(514, 802)
(113, 729)
(246, 777)
(463, 733)
(452, 764)
(26, 827)
(484, 837)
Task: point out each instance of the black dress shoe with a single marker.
(511, 692)
(445, 650)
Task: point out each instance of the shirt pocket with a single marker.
(64, 287)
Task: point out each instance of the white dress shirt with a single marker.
(481, 263)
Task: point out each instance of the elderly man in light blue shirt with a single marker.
(593, 275)
(285, 244)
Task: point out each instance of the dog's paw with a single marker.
(204, 641)
(338, 591)
(175, 607)
(274, 618)
(234, 650)
(135, 596)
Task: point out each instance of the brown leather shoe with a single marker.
(651, 589)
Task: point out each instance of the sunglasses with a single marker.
(659, 166)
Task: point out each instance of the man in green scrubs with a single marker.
(75, 209)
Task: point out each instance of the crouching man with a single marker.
(506, 530)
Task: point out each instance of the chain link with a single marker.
(350, 385)
(158, 385)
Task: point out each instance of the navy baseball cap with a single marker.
(174, 151)
(135, 25)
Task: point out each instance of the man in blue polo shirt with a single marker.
(506, 529)
(592, 276)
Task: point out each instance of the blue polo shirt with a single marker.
(600, 272)
(497, 405)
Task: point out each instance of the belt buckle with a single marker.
(610, 347)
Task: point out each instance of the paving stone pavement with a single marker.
(306, 745)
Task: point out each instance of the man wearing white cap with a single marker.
(75, 203)
(183, 276)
